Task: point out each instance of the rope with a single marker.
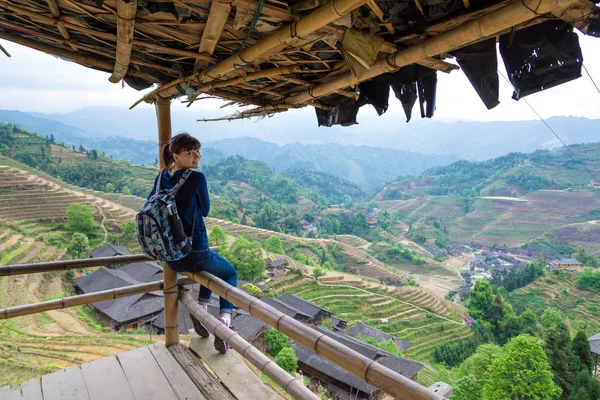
(555, 134)
(592, 79)
(535, 11)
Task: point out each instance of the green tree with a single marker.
(80, 246)
(253, 290)
(274, 245)
(126, 191)
(326, 266)
(521, 373)
(128, 230)
(467, 388)
(480, 300)
(287, 360)
(109, 188)
(275, 341)
(586, 384)
(551, 317)
(562, 359)
(581, 348)
(318, 272)
(80, 218)
(247, 258)
(218, 237)
(360, 223)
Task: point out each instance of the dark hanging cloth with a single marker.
(594, 27)
(137, 83)
(541, 57)
(479, 62)
(375, 92)
(342, 111)
(427, 88)
(407, 94)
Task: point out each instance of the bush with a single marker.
(287, 360)
(253, 290)
(276, 341)
(318, 272)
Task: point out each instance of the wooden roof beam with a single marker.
(580, 14)
(473, 31)
(217, 18)
(126, 10)
(87, 61)
(55, 11)
(304, 26)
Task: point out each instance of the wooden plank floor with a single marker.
(149, 372)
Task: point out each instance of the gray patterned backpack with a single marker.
(159, 228)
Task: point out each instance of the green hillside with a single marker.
(511, 175)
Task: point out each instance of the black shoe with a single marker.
(220, 345)
(199, 328)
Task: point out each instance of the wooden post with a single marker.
(170, 277)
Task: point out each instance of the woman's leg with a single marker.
(221, 268)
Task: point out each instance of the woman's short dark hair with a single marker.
(178, 144)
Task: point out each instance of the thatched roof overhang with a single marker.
(283, 54)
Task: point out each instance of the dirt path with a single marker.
(102, 223)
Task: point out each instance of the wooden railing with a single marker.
(364, 368)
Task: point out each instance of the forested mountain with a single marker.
(367, 167)
(510, 175)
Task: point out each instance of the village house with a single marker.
(338, 324)
(567, 263)
(481, 246)
(130, 312)
(339, 383)
(362, 329)
(276, 268)
(595, 350)
(595, 184)
(316, 314)
(109, 250)
(286, 309)
(372, 219)
(307, 228)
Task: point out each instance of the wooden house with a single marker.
(316, 314)
(276, 268)
(567, 263)
(365, 330)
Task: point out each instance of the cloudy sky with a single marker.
(33, 81)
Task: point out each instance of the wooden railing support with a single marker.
(363, 367)
(251, 353)
(170, 276)
(72, 301)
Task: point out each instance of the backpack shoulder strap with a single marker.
(157, 188)
(186, 174)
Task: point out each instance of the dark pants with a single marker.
(213, 263)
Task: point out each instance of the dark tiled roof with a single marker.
(277, 263)
(125, 308)
(247, 325)
(109, 250)
(595, 343)
(366, 330)
(283, 307)
(144, 272)
(304, 306)
(404, 367)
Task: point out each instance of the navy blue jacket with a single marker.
(191, 196)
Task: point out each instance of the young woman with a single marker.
(181, 153)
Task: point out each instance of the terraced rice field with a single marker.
(364, 264)
(26, 197)
(17, 249)
(353, 240)
(560, 292)
(410, 313)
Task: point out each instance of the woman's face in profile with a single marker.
(188, 159)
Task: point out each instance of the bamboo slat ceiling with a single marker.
(273, 54)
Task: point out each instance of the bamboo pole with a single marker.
(304, 26)
(579, 14)
(267, 73)
(2, 49)
(473, 31)
(34, 268)
(126, 11)
(105, 35)
(82, 59)
(170, 276)
(88, 298)
(217, 17)
(364, 368)
(258, 359)
(55, 11)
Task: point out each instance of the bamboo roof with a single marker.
(273, 54)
